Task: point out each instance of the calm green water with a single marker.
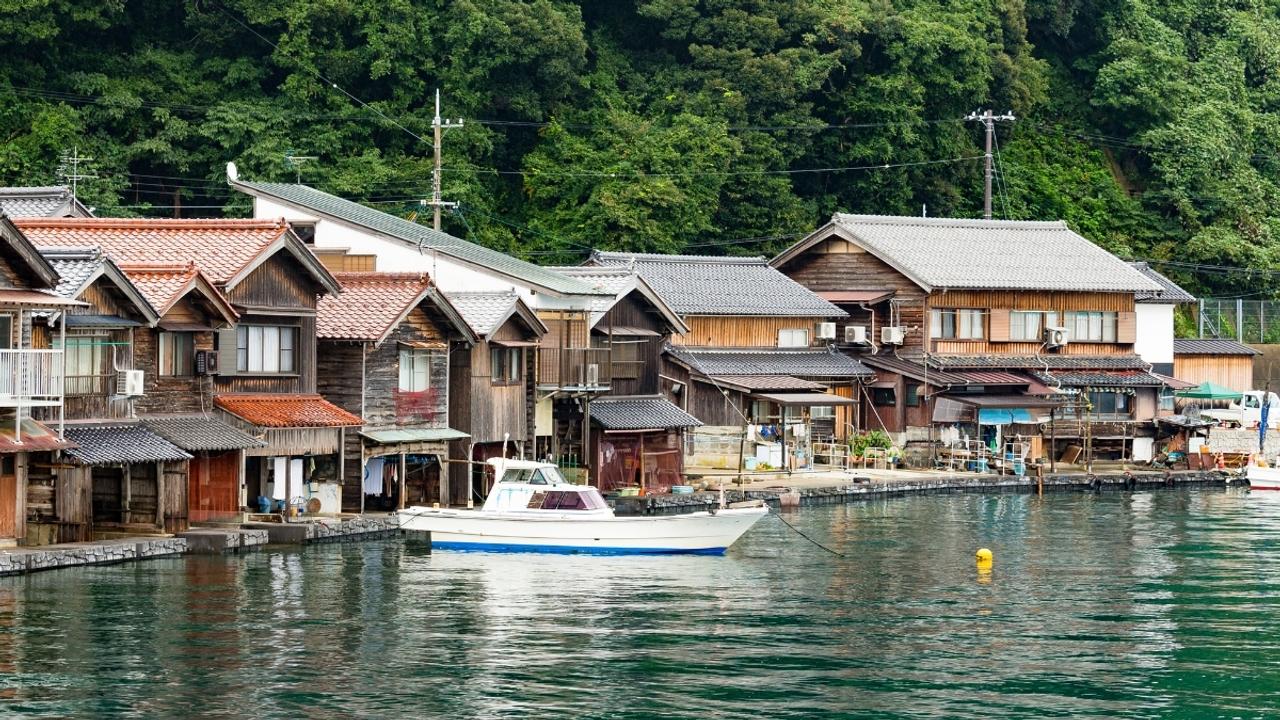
(1145, 605)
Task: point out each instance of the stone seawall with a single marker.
(853, 492)
(16, 561)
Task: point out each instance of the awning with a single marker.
(805, 399)
(628, 330)
(992, 377)
(35, 298)
(201, 433)
(1005, 416)
(120, 445)
(424, 345)
(100, 321)
(515, 343)
(640, 413)
(173, 326)
(768, 382)
(859, 297)
(408, 435)
(1005, 401)
(1174, 383)
(35, 437)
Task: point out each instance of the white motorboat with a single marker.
(532, 508)
(1262, 478)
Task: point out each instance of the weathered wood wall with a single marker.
(713, 331)
(278, 292)
(1233, 371)
(170, 394)
(634, 359)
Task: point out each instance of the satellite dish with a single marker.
(232, 173)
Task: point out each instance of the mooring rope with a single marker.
(797, 531)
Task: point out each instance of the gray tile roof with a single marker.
(1211, 346)
(640, 413)
(1169, 292)
(75, 266)
(323, 203)
(120, 444)
(941, 253)
(483, 311)
(805, 363)
(708, 285)
(1034, 362)
(51, 201)
(198, 432)
(1131, 378)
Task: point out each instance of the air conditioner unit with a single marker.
(825, 331)
(206, 362)
(1056, 337)
(593, 375)
(855, 335)
(893, 335)
(129, 383)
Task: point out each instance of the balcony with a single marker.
(31, 378)
(585, 369)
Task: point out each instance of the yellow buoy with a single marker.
(984, 556)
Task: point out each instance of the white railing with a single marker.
(31, 377)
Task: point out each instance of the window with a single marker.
(415, 369)
(949, 324)
(884, 396)
(1166, 400)
(306, 231)
(1030, 324)
(1106, 402)
(1091, 326)
(506, 365)
(177, 354)
(6, 332)
(86, 364)
(266, 349)
(822, 411)
(913, 396)
(793, 337)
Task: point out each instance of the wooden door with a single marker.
(8, 506)
(213, 488)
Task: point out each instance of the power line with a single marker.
(713, 173)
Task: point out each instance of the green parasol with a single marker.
(1209, 391)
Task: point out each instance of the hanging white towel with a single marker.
(295, 478)
(279, 478)
(373, 476)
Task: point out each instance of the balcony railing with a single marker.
(576, 368)
(31, 378)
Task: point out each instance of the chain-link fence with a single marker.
(1249, 321)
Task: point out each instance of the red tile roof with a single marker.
(370, 306)
(284, 410)
(220, 248)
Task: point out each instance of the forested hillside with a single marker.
(669, 125)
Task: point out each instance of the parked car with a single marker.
(1247, 411)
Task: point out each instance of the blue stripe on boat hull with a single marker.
(568, 549)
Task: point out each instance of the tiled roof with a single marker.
(111, 444)
(285, 410)
(1000, 254)
(51, 201)
(220, 248)
(640, 413)
(1033, 362)
(370, 306)
(614, 283)
(1211, 346)
(75, 266)
(1069, 378)
(769, 382)
(1169, 291)
(816, 362)
(709, 285)
(911, 369)
(484, 311)
(198, 432)
(322, 203)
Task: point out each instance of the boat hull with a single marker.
(1263, 478)
(694, 533)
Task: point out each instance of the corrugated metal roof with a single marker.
(1211, 346)
(201, 433)
(120, 444)
(405, 435)
(323, 203)
(816, 362)
(1169, 291)
(640, 413)
(711, 285)
(769, 382)
(35, 436)
(996, 254)
(806, 399)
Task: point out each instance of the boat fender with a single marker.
(1130, 482)
(984, 558)
(1168, 477)
(1095, 484)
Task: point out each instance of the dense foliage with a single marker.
(668, 125)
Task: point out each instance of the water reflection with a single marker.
(1115, 605)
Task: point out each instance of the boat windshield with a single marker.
(579, 499)
(533, 476)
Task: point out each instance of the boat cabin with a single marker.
(525, 485)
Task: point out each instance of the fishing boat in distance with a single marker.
(1262, 478)
(532, 508)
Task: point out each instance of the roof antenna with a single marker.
(295, 162)
(924, 210)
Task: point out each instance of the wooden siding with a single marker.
(170, 394)
(280, 283)
(713, 407)
(1232, 371)
(1033, 300)
(634, 359)
(733, 331)
(10, 277)
(303, 381)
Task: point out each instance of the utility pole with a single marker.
(69, 169)
(989, 120)
(439, 127)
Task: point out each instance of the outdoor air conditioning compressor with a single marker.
(825, 331)
(1056, 337)
(855, 335)
(129, 383)
(893, 335)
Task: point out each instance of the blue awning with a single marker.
(1005, 416)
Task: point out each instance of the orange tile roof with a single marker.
(160, 284)
(220, 248)
(370, 305)
(285, 410)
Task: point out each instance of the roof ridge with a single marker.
(682, 258)
(369, 276)
(105, 222)
(948, 221)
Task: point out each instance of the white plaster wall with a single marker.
(1155, 332)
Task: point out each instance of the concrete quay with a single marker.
(16, 561)
(328, 529)
(218, 540)
(834, 488)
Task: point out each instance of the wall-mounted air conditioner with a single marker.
(825, 331)
(893, 335)
(855, 335)
(1056, 337)
(593, 375)
(129, 383)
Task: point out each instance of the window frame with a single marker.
(790, 334)
(506, 365)
(1100, 326)
(419, 367)
(960, 320)
(912, 395)
(171, 351)
(245, 335)
(878, 396)
(72, 356)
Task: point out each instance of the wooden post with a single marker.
(641, 453)
(403, 465)
(242, 479)
(742, 454)
(160, 495)
(443, 480)
(1053, 441)
(126, 491)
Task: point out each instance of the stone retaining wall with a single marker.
(25, 560)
